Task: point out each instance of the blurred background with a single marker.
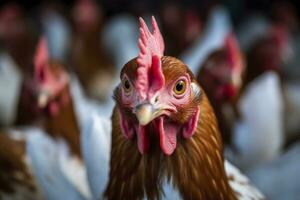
(243, 53)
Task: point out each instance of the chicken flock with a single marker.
(93, 107)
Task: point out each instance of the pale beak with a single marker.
(145, 113)
(43, 99)
(235, 80)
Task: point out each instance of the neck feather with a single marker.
(196, 168)
(64, 125)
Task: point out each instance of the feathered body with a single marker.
(17, 179)
(37, 166)
(48, 92)
(60, 123)
(46, 99)
(64, 125)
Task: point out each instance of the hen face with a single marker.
(220, 77)
(222, 72)
(50, 83)
(166, 113)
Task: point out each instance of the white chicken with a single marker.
(217, 28)
(10, 85)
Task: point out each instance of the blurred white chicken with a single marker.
(279, 179)
(260, 106)
(271, 46)
(96, 146)
(48, 89)
(36, 166)
(10, 85)
(258, 136)
(217, 28)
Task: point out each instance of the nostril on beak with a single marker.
(144, 113)
(156, 99)
(42, 100)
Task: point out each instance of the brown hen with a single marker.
(164, 131)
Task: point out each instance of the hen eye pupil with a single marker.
(127, 85)
(179, 86)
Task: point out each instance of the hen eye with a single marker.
(126, 85)
(179, 87)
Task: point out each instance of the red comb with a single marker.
(41, 56)
(233, 51)
(149, 72)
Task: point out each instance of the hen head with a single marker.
(222, 72)
(158, 96)
(50, 81)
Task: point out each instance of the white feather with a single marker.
(259, 136)
(218, 26)
(10, 84)
(74, 170)
(170, 193)
(85, 106)
(280, 178)
(96, 145)
(44, 154)
(240, 184)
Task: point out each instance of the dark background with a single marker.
(238, 8)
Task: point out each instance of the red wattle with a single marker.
(190, 128)
(167, 136)
(126, 130)
(229, 91)
(143, 139)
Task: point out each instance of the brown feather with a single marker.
(225, 120)
(15, 174)
(64, 125)
(196, 168)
